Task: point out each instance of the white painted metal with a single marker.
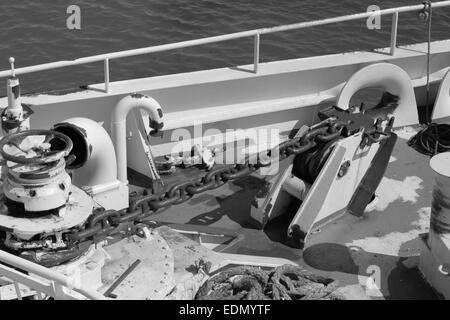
(440, 212)
(435, 251)
(100, 167)
(78, 208)
(118, 127)
(14, 105)
(256, 53)
(225, 98)
(277, 201)
(250, 260)
(86, 270)
(12, 291)
(197, 42)
(106, 74)
(47, 192)
(441, 109)
(42, 279)
(212, 96)
(16, 286)
(392, 79)
(14, 114)
(440, 163)
(98, 176)
(295, 187)
(330, 194)
(147, 155)
(394, 32)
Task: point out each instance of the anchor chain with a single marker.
(104, 223)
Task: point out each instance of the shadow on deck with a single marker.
(347, 249)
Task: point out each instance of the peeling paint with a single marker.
(405, 132)
(390, 244)
(391, 190)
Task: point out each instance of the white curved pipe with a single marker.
(118, 126)
(391, 78)
(99, 168)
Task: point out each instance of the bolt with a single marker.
(343, 169)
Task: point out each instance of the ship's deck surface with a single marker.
(387, 236)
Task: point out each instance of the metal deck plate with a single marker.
(153, 276)
(387, 236)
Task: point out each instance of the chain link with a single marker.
(104, 223)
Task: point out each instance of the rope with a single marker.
(286, 282)
(433, 139)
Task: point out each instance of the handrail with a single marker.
(256, 33)
(55, 278)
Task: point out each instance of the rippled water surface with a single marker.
(35, 32)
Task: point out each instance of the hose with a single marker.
(433, 139)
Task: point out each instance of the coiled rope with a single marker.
(286, 282)
(433, 139)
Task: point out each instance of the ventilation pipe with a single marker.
(94, 167)
(118, 126)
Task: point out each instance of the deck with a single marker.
(387, 239)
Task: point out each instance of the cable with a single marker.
(428, 9)
(433, 139)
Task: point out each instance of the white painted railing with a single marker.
(39, 281)
(256, 33)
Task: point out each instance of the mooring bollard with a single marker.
(440, 206)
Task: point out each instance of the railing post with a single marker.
(17, 288)
(394, 32)
(256, 53)
(106, 74)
